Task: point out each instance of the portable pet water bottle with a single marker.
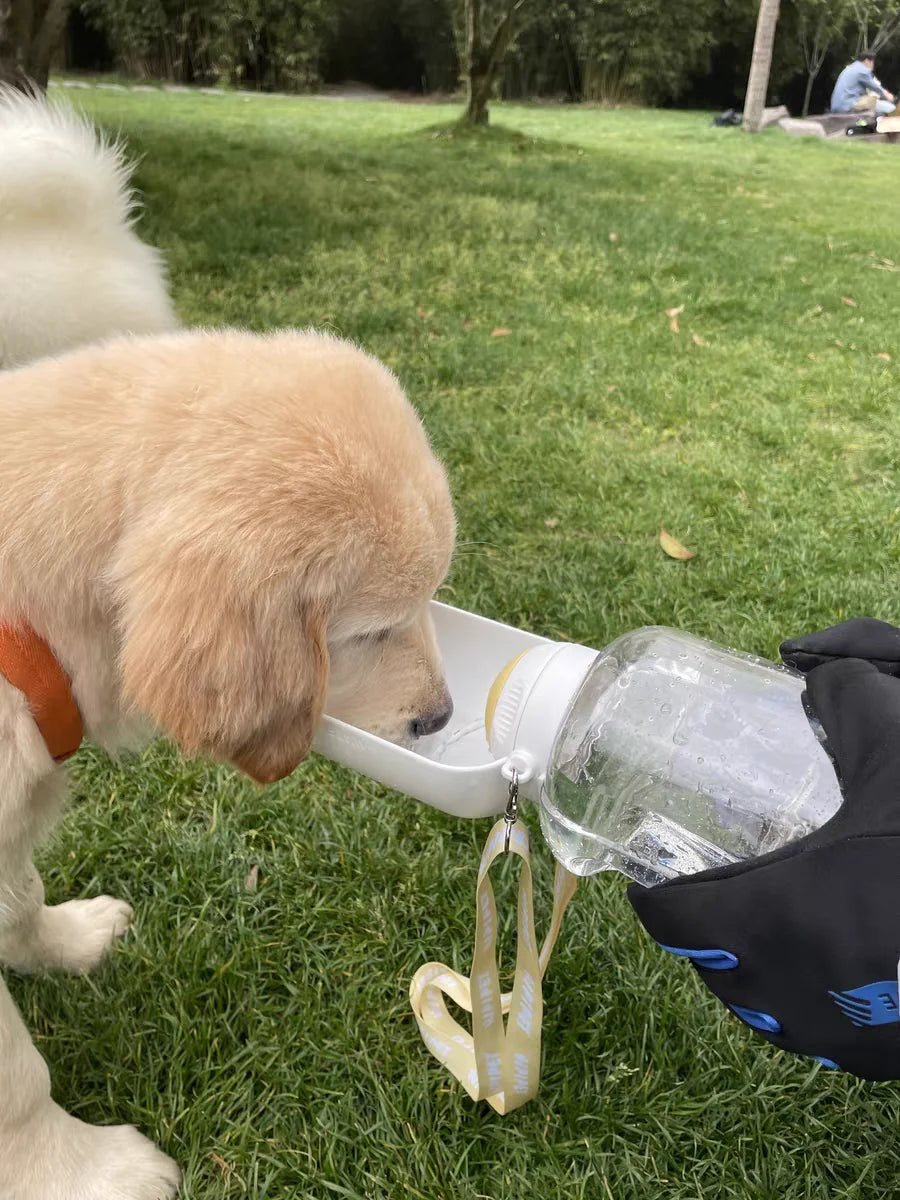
(661, 755)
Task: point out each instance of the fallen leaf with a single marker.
(672, 547)
(886, 357)
(225, 1167)
(672, 314)
(552, 522)
(613, 237)
(697, 339)
(846, 300)
(424, 313)
(499, 332)
(467, 325)
(613, 387)
(812, 356)
(252, 879)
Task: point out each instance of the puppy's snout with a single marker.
(433, 721)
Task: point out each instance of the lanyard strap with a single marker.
(499, 1065)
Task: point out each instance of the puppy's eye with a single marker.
(376, 635)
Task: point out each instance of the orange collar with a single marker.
(31, 666)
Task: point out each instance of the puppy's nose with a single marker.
(432, 722)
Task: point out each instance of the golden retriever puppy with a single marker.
(218, 535)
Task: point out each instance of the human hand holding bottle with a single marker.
(802, 944)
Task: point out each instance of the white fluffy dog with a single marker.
(72, 269)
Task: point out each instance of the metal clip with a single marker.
(512, 808)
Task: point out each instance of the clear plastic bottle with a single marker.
(675, 755)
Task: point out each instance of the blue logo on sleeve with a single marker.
(871, 1004)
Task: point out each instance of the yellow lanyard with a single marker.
(499, 1065)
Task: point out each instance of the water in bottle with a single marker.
(676, 755)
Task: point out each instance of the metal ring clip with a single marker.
(512, 808)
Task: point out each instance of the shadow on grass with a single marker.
(463, 133)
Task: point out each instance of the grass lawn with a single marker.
(263, 1038)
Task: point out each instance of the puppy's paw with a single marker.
(69, 1160)
(71, 937)
(121, 1164)
(79, 933)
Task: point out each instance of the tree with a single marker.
(818, 23)
(267, 44)
(877, 23)
(30, 31)
(484, 56)
(760, 65)
(640, 50)
(814, 45)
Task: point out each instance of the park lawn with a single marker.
(263, 1036)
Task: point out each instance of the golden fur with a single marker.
(223, 534)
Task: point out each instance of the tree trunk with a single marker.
(758, 83)
(814, 52)
(476, 102)
(810, 77)
(478, 93)
(30, 31)
(11, 66)
(482, 62)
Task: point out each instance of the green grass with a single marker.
(263, 1038)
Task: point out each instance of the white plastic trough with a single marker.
(453, 770)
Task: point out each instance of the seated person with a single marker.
(857, 89)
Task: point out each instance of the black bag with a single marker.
(863, 127)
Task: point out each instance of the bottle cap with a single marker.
(531, 697)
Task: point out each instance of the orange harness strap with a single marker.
(31, 666)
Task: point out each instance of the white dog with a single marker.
(72, 269)
(217, 534)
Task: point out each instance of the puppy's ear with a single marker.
(229, 666)
(290, 693)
